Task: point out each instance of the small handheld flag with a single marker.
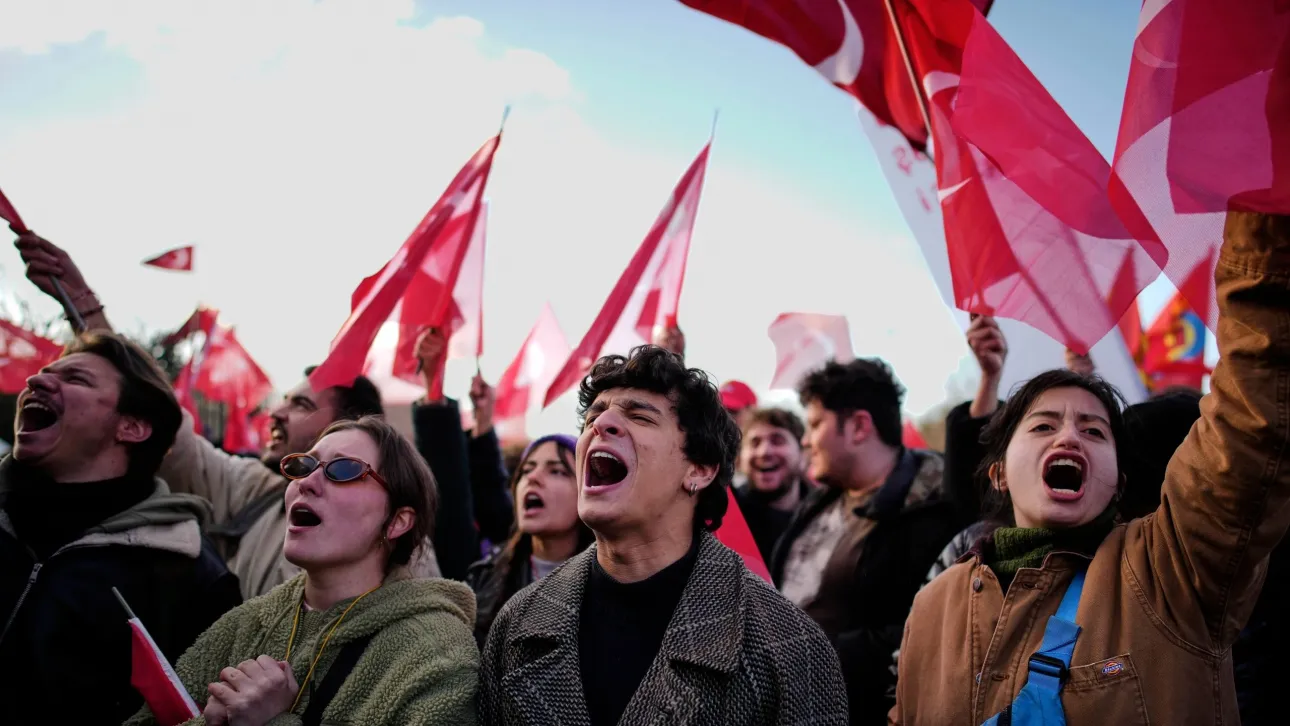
(152, 676)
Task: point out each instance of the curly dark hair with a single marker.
(864, 384)
(711, 436)
(1003, 425)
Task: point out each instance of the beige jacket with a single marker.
(1166, 595)
(231, 483)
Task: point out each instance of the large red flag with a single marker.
(1205, 126)
(393, 353)
(648, 293)
(179, 259)
(850, 42)
(1031, 235)
(22, 355)
(806, 341)
(532, 370)
(446, 229)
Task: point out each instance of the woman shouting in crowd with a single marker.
(353, 639)
(1065, 616)
(547, 528)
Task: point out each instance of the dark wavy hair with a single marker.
(145, 394)
(1003, 425)
(864, 384)
(711, 435)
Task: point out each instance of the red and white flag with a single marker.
(393, 352)
(428, 264)
(850, 42)
(228, 373)
(805, 342)
(179, 259)
(154, 679)
(529, 374)
(22, 355)
(648, 293)
(1030, 231)
(1205, 127)
(201, 321)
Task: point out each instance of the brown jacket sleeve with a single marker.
(1198, 561)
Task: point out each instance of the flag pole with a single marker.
(124, 604)
(909, 68)
(73, 315)
(716, 113)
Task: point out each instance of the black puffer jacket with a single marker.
(64, 638)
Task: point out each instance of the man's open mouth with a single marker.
(277, 433)
(302, 516)
(767, 467)
(36, 416)
(604, 469)
(1064, 474)
(533, 501)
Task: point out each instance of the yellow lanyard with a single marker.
(292, 639)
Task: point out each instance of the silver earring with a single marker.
(694, 488)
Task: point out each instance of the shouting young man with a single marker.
(657, 616)
(82, 512)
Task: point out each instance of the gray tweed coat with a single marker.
(736, 652)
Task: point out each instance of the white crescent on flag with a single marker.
(843, 67)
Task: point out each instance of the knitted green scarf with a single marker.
(1016, 547)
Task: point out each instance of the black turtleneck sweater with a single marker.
(620, 630)
(46, 515)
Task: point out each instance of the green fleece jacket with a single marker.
(421, 666)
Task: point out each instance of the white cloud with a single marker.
(296, 144)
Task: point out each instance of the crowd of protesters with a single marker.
(1120, 564)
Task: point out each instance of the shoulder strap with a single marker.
(1070, 601)
(1050, 665)
(335, 678)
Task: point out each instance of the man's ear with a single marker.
(859, 427)
(131, 430)
(699, 477)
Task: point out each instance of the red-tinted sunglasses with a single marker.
(342, 469)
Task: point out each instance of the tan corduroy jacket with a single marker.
(1165, 595)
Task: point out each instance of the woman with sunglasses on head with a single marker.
(353, 639)
(1069, 615)
(547, 528)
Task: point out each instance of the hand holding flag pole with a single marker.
(73, 315)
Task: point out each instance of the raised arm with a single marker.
(46, 261)
(1224, 504)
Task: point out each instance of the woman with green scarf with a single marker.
(354, 638)
(1068, 615)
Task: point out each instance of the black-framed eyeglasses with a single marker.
(341, 470)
